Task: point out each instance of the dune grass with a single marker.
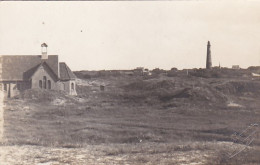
(132, 119)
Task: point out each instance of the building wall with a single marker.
(13, 88)
(68, 87)
(39, 76)
(73, 89)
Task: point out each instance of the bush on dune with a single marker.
(42, 95)
(167, 90)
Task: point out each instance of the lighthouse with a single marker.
(208, 62)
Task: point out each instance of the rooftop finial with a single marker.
(44, 45)
(44, 51)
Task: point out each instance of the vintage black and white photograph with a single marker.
(130, 82)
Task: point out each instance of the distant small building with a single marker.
(139, 71)
(235, 67)
(21, 72)
(102, 87)
(254, 69)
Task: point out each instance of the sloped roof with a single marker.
(30, 72)
(65, 72)
(15, 67)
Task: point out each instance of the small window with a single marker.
(44, 82)
(40, 83)
(72, 86)
(49, 84)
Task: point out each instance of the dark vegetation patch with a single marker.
(221, 73)
(240, 87)
(41, 95)
(172, 91)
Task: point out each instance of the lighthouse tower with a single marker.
(208, 62)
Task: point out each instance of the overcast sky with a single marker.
(129, 34)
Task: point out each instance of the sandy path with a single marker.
(93, 155)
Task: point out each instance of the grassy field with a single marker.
(136, 120)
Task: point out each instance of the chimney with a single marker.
(208, 63)
(44, 51)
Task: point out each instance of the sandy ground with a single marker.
(99, 155)
(1, 115)
(91, 154)
(30, 155)
(2, 154)
(29, 128)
